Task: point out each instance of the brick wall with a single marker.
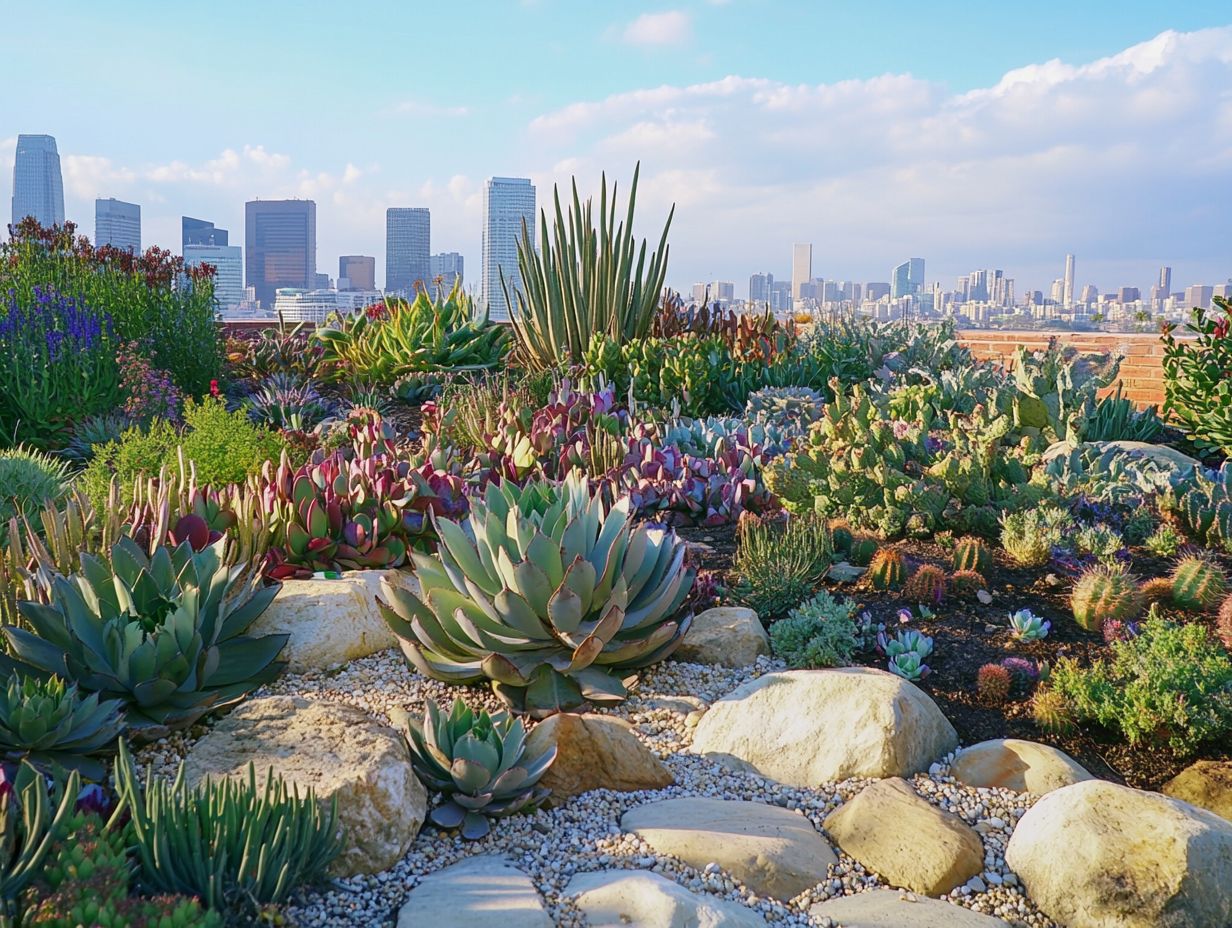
(1141, 374)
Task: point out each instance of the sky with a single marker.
(974, 135)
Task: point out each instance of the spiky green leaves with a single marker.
(49, 724)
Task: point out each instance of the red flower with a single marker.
(214, 391)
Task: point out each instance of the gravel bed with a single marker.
(552, 845)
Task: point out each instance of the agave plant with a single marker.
(165, 633)
(284, 401)
(549, 595)
(476, 761)
(48, 723)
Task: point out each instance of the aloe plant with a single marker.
(48, 723)
(584, 280)
(30, 819)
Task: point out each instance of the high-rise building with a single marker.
(1128, 295)
(281, 240)
(200, 232)
(38, 187)
(1199, 296)
(356, 272)
(228, 264)
(117, 224)
(446, 270)
(876, 289)
(508, 205)
(907, 279)
(408, 247)
(1165, 279)
(1067, 287)
(801, 269)
(759, 288)
(1090, 293)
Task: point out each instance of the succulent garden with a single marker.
(631, 612)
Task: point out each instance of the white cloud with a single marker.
(422, 109)
(670, 27)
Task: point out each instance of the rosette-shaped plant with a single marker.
(165, 633)
(476, 761)
(550, 595)
(47, 722)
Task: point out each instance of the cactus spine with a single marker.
(926, 585)
(887, 571)
(1103, 593)
(972, 554)
(1197, 583)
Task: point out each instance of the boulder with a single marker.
(1206, 784)
(889, 908)
(1099, 855)
(1023, 766)
(813, 727)
(336, 750)
(771, 850)
(1163, 455)
(621, 898)
(331, 622)
(595, 752)
(480, 892)
(907, 840)
(731, 636)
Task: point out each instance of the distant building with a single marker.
(759, 288)
(1128, 295)
(292, 304)
(1067, 287)
(1165, 280)
(1090, 294)
(875, 290)
(508, 206)
(356, 272)
(801, 269)
(321, 282)
(228, 263)
(446, 270)
(38, 186)
(1223, 290)
(408, 246)
(907, 279)
(1199, 296)
(200, 232)
(117, 224)
(281, 240)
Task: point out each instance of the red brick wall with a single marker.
(1141, 374)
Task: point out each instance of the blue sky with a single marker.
(875, 130)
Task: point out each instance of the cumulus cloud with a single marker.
(667, 28)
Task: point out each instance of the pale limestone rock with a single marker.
(891, 908)
(594, 752)
(772, 850)
(908, 841)
(338, 751)
(332, 622)
(731, 636)
(1206, 784)
(811, 727)
(1099, 855)
(1023, 766)
(479, 892)
(626, 898)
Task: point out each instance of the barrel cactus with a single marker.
(1198, 583)
(1157, 590)
(1104, 593)
(967, 584)
(1223, 625)
(926, 585)
(972, 554)
(887, 570)
(863, 549)
(476, 761)
(551, 595)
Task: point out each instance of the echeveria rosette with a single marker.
(547, 593)
(49, 724)
(1028, 626)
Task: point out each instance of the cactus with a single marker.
(1223, 626)
(841, 535)
(992, 684)
(1051, 712)
(965, 584)
(886, 570)
(926, 585)
(1104, 593)
(1157, 590)
(1198, 583)
(863, 549)
(972, 554)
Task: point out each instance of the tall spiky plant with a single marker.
(584, 280)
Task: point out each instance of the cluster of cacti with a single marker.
(966, 584)
(992, 684)
(1052, 712)
(925, 585)
(1198, 583)
(1107, 592)
(887, 570)
(972, 554)
(1202, 504)
(1055, 390)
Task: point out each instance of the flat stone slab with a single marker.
(890, 908)
(638, 899)
(1023, 766)
(480, 892)
(731, 636)
(773, 851)
(910, 842)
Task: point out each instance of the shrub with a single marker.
(818, 633)
(29, 480)
(1105, 593)
(1100, 541)
(1171, 684)
(780, 565)
(1198, 583)
(1165, 541)
(1197, 388)
(148, 394)
(1028, 536)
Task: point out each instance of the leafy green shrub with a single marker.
(1171, 684)
(29, 480)
(780, 565)
(1165, 541)
(821, 632)
(1197, 388)
(1028, 536)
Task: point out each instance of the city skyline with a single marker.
(1099, 135)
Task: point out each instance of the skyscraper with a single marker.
(228, 264)
(408, 247)
(281, 239)
(907, 279)
(1067, 286)
(356, 272)
(508, 203)
(117, 224)
(38, 187)
(1165, 280)
(801, 269)
(759, 288)
(1199, 296)
(447, 268)
(200, 232)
